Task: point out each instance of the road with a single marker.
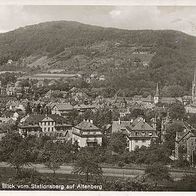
(117, 172)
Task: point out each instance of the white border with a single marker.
(101, 2)
(105, 3)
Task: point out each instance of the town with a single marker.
(97, 97)
(49, 119)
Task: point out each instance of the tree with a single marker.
(137, 112)
(173, 91)
(171, 130)
(54, 161)
(53, 155)
(118, 142)
(86, 163)
(176, 111)
(28, 108)
(157, 173)
(156, 153)
(16, 151)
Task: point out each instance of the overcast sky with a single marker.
(127, 17)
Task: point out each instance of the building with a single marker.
(82, 108)
(62, 109)
(87, 134)
(51, 125)
(165, 100)
(138, 132)
(10, 90)
(185, 143)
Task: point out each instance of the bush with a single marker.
(157, 173)
(187, 183)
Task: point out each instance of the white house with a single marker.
(87, 134)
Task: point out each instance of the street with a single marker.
(116, 172)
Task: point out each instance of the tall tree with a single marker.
(16, 151)
(118, 142)
(157, 174)
(87, 164)
(176, 111)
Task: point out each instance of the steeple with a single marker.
(194, 80)
(194, 87)
(156, 96)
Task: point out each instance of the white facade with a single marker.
(83, 141)
(133, 144)
(55, 110)
(87, 134)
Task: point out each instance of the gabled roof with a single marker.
(83, 106)
(35, 119)
(142, 126)
(64, 106)
(119, 125)
(137, 120)
(187, 133)
(86, 125)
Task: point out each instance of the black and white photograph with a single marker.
(97, 97)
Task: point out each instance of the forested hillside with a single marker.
(134, 60)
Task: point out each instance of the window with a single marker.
(136, 133)
(150, 133)
(143, 133)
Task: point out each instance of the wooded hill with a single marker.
(131, 59)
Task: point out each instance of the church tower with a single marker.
(194, 88)
(156, 96)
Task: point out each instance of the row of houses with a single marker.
(138, 132)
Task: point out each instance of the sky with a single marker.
(182, 18)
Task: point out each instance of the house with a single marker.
(51, 125)
(185, 143)
(10, 90)
(138, 132)
(14, 105)
(87, 134)
(82, 108)
(62, 109)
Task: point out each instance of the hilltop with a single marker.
(133, 59)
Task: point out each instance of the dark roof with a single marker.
(57, 118)
(35, 119)
(86, 125)
(64, 106)
(142, 126)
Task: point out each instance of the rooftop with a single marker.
(86, 125)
